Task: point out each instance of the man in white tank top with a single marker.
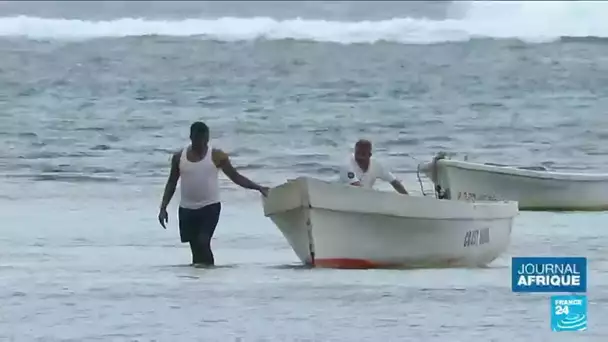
(196, 166)
(362, 170)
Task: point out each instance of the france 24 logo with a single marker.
(569, 313)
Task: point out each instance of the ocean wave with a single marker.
(527, 21)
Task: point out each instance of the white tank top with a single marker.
(199, 181)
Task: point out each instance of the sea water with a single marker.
(95, 97)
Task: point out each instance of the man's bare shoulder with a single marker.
(218, 156)
(176, 156)
(218, 153)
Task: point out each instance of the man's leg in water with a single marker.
(189, 222)
(204, 255)
(194, 248)
(202, 243)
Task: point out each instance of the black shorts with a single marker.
(193, 222)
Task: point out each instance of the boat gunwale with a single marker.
(307, 187)
(524, 173)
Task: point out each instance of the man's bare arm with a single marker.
(399, 187)
(171, 181)
(221, 160)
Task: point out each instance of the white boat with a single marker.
(534, 188)
(341, 226)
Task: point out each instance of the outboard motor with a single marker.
(441, 193)
(430, 170)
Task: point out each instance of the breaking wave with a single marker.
(541, 21)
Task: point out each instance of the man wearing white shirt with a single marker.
(362, 170)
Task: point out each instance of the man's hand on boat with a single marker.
(399, 187)
(263, 190)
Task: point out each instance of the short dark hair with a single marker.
(198, 128)
(364, 143)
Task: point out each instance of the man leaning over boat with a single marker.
(362, 170)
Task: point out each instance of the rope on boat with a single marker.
(420, 180)
(439, 192)
(418, 174)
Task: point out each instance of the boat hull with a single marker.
(338, 226)
(533, 190)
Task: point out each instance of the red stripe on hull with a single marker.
(350, 263)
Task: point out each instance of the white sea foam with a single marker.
(526, 20)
